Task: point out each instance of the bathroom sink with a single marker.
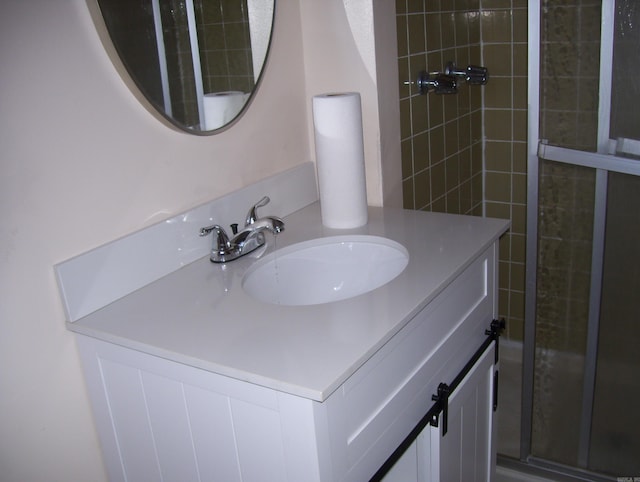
(324, 270)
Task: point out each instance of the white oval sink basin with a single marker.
(325, 270)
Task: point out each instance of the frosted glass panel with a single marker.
(625, 92)
(615, 444)
(569, 73)
(564, 266)
(572, 346)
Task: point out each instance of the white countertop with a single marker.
(199, 315)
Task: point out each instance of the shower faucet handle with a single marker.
(451, 69)
(473, 74)
(477, 75)
(437, 82)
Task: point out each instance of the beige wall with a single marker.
(82, 163)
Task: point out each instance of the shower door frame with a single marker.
(195, 57)
(604, 163)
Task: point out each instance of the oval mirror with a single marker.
(196, 61)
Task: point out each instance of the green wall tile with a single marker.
(498, 186)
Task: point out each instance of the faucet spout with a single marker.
(252, 236)
(272, 224)
(247, 240)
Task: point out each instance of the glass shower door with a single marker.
(615, 426)
(581, 362)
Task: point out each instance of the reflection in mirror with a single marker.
(196, 61)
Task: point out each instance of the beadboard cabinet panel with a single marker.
(161, 427)
(212, 433)
(465, 452)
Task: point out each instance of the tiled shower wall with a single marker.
(452, 144)
(225, 45)
(441, 134)
(504, 50)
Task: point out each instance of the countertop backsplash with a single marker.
(98, 277)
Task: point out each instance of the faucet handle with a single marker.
(473, 74)
(252, 215)
(222, 242)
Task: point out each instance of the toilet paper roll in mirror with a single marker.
(337, 120)
(221, 107)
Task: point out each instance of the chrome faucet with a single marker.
(247, 240)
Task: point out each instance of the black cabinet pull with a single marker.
(442, 404)
(494, 331)
(495, 390)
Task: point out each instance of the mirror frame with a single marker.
(139, 93)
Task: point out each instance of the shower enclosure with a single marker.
(581, 358)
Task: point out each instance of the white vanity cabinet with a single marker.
(159, 419)
(192, 379)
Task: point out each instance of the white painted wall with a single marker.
(83, 162)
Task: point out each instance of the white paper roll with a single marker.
(337, 119)
(221, 107)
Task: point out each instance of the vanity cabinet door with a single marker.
(465, 453)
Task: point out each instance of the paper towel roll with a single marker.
(337, 119)
(221, 107)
